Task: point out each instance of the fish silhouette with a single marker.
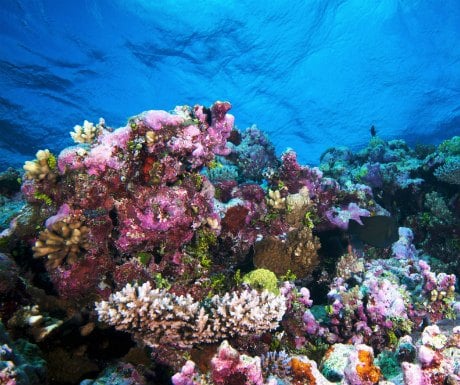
(377, 231)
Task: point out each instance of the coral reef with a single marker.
(179, 244)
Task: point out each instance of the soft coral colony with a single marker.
(189, 235)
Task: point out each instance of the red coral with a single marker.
(129, 272)
(80, 281)
(234, 220)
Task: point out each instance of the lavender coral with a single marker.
(438, 357)
(158, 221)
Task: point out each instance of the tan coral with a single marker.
(41, 168)
(298, 253)
(88, 132)
(297, 205)
(38, 324)
(151, 138)
(275, 200)
(349, 265)
(64, 240)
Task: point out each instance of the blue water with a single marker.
(312, 74)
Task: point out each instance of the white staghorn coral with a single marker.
(156, 316)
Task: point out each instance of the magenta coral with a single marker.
(138, 189)
(228, 363)
(187, 376)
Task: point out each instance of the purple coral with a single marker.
(255, 154)
(187, 376)
(340, 217)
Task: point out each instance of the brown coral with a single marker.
(63, 240)
(349, 265)
(297, 205)
(298, 253)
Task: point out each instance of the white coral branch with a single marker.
(158, 317)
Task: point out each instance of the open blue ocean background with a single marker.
(311, 74)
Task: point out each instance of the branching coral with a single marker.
(88, 133)
(156, 316)
(275, 199)
(63, 240)
(298, 253)
(42, 168)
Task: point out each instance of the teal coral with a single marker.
(449, 172)
(450, 146)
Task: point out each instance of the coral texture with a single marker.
(298, 253)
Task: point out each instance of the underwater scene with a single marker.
(229, 192)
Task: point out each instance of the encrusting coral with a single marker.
(156, 316)
(173, 207)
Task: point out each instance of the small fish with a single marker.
(378, 231)
(373, 131)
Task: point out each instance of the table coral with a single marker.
(147, 210)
